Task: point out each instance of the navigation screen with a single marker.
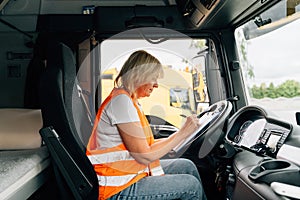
(273, 140)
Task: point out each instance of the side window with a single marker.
(182, 90)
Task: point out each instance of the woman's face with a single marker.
(146, 89)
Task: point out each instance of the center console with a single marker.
(260, 177)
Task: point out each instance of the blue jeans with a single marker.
(181, 181)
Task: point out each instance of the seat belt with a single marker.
(81, 96)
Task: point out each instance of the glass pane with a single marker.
(269, 55)
(175, 97)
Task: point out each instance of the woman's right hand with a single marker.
(190, 126)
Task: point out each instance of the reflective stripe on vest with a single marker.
(110, 157)
(115, 180)
(121, 180)
(116, 169)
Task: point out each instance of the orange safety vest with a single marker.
(115, 167)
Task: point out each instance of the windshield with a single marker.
(269, 55)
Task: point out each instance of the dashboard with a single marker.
(267, 163)
(253, 129)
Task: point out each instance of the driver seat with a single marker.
(75, 175)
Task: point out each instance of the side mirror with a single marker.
(298, 118)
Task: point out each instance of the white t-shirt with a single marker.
(119, 110)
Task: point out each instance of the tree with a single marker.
(256, 92)
(246, 66)
(271, 91)
(288, 89)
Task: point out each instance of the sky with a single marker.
(275, 56)
(166, 52)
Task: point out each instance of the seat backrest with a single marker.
(57, 100)
(34, 70)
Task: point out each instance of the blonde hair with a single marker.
(140, 68)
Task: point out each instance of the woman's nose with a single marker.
(155, 84)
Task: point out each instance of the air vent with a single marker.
(195, 12)
(208, 3)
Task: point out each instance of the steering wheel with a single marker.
(209, 133)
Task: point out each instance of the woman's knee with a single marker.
(187, 163)
(182, 163)
(189, 167)
(192, 185)
(191, 181)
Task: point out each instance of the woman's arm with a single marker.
(134, 139)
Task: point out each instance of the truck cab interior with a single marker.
(234, 63)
